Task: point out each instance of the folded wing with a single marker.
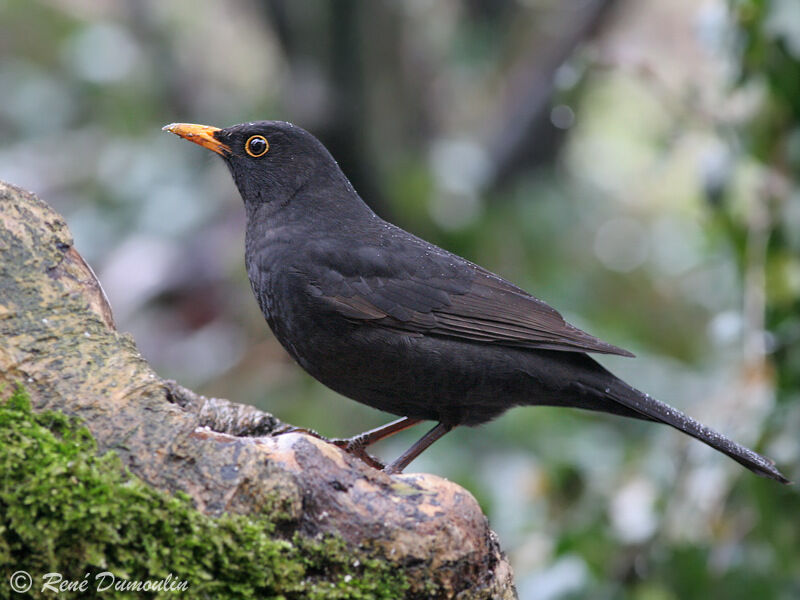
(437, 293)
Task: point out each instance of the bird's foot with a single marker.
(356, 447)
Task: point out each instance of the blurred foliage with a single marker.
(635, 164)
(770, 55)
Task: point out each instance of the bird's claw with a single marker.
(355, 446)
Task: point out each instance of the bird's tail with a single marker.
(654, 410)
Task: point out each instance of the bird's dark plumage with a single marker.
(397, 323)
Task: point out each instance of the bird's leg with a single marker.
(356, 445)
(356, 449)
(375, 435)
(418, 448)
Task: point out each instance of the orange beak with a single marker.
(199, 134)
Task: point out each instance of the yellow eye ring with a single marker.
(256, 145)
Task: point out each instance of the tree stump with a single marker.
(60, 343)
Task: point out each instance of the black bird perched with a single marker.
(397, 323)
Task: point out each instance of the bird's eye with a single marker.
(257, 145)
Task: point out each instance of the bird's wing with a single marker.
(433, 292)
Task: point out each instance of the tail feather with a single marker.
(655, 410)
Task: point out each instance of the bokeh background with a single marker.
(632, 162)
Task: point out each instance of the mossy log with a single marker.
(60, 343)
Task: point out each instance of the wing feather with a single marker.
(433, 292)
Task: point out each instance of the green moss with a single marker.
(65, 509)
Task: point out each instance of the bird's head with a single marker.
(274, 163)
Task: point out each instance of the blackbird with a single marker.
(397, 323)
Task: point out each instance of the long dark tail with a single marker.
(652, 409)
